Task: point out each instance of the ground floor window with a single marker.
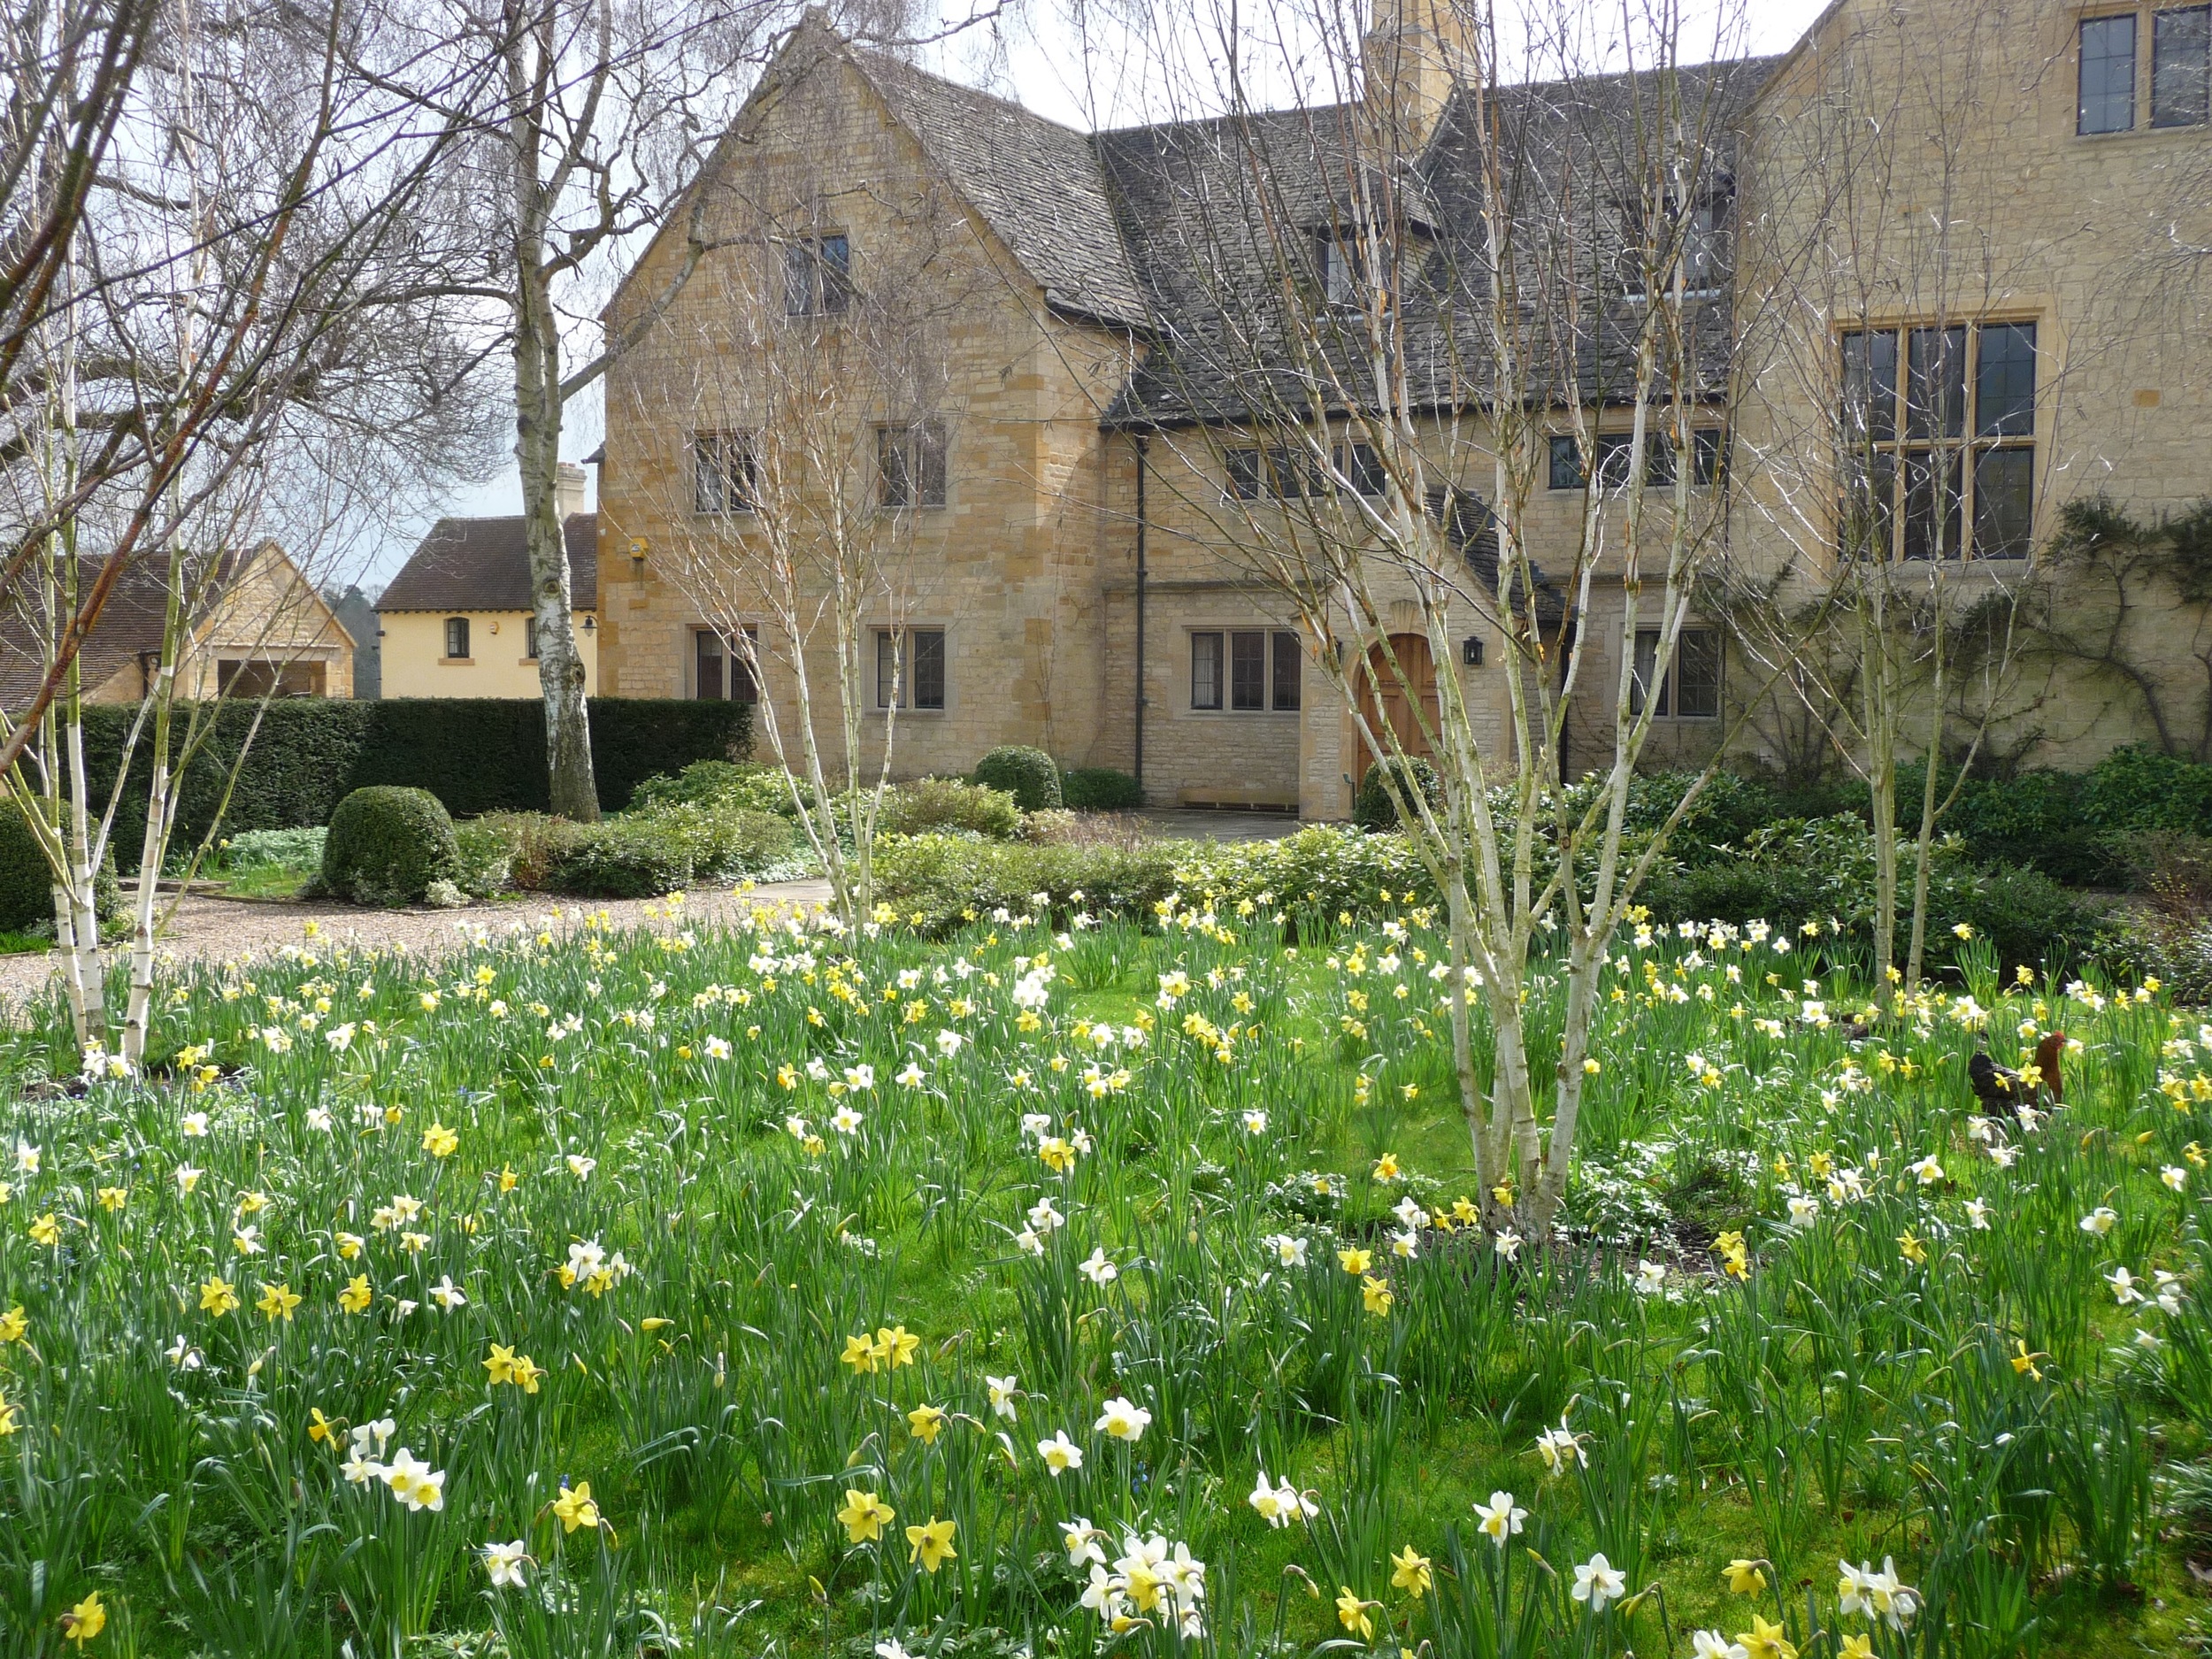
(1689, 687)
(456, 637)
(1246, 670)
(720, 672)
(910, 668)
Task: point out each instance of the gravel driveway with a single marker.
(208, 927)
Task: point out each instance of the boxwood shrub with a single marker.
(389, 846)
(1098, 789)
(1030, 775)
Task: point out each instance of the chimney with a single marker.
(568, 491)
(1415, 55)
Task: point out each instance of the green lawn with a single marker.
(763, 1236)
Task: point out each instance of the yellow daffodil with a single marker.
(860, 1354)
(2023, 1362)
(1387, 1167)
(14, 1324)
(355, 1297)
(46, 1232)
(924, 1422)
(277, 1302)
(1355, 1260)
(440, 1141)
(1744, 1577)
(318, 1428)
(895, 1346)
(1351, 1612)
(217, 1297)
(1763, 1640)
(574, 1508)
(508, 1179)
(864, 1516)
(1911, 1248)
(1861, 1647)
(1376, 1295)
(1410, 1572)
(931, 1544)
(81, 1622)
(113, 1198)
(7, 1417)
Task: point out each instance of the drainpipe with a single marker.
(1143, 445)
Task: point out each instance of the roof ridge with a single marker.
(876, 55)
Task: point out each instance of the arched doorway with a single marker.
(1394, 693)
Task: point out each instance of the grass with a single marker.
(620, 1159)
(14, 944)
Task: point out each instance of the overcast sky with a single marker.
(1046, 62)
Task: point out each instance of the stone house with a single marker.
(456, 621)
(1068, 505)
(257, 627)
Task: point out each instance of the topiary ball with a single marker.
(388, 844)
(1030, 775)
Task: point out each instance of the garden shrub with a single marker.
(1319, 873)
(945, 879)
(638, 857)
(487, 858)
(1098, 789)
(387, 845)
(1374, 809)
(1030, 775)
(949, 803)
(271, 848)
(27, 881)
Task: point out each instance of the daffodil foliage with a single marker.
(1080, 1284)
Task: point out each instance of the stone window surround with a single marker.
(872, 630)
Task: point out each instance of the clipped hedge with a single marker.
(389, 845)
(27, 881)
(1098, 789)
(476, 755)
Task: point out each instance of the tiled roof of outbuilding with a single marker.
(484, 564)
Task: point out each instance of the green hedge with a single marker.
(476, 755)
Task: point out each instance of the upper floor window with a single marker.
(2180, 78)
(1361, 465)
(530, 638)
(1692, 236)
(911, 465)
(1338, 259)
(1939, 436)
(722, 472)
(818, 276)
(456, 638)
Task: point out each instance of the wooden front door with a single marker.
(1392, 692)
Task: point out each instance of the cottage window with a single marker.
(456, 638)
(1247, 670)
(1613, 449)
(910, 463)
(1940, 458)
(720, 670)
(1338, 258)
(818, 276)
(530, 638)
(910, 668)
(1689, 689)
(723, 472)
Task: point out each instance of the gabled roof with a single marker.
(484, 564)
(131, 622)
(1038, 185)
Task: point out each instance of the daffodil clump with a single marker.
(1111, 1284)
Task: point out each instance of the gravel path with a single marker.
(205, 926)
